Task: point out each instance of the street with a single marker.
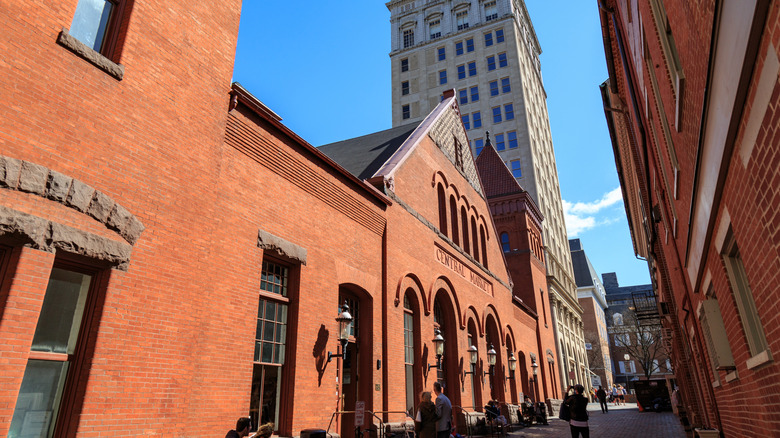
(619, 422)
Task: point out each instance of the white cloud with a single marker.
(582, 216)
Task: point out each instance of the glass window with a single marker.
(435, 29)
(479, 144)
(491, 63)
(462, 20)
(505, 242)
(404, 88)
(488, 39)
(475, 93)
(271, 332)
(505, 88)
(500, 142)
(464, 97)
(57, 333)
(442, 77)
(442, 54)
(459, 48)
(494, 88)
(404, 65)
(502, 60)
(491, 12)
(91, 22)
(465, 120)
(512, 138)
(461, 71)
(408, 38)
(472, 68)
(409, 352)
(273, 278)
(499, 35)
(509, 112)
(477, 119)
(497, 114)
(516, 172)
(405, 113)
(470, 45)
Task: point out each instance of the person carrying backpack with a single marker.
(578, 408)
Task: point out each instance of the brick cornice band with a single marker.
(25, 176)
(45, 235)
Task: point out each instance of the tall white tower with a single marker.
(488, 52)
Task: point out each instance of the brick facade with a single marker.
(691, 118)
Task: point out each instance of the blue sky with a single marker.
(327, 74)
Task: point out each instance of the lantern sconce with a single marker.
(345, 323)
(438, 344)
(472, 361)
(512, 365)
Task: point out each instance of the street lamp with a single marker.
(512, 365)
(345, 322)
(491, 354)
(472, 360)
(438, 345)
(534, 367)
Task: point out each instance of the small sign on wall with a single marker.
(360, 413)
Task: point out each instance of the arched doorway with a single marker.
(496, 379)
(473, 384)
(356, 373)
(444, 318)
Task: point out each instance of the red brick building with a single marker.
(691, 107)
(173, 257)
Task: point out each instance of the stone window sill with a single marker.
(759, 359)
(65, 39)
(732, 376)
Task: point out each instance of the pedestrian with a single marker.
(443, 411)
(264, 431)
(615, 393)
(622, 394)
(578, 407)
(241, 430)
(425, 422)
(601, 395)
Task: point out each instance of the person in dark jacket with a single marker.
(242, 428)
(602, 396)
(578, 406)
(425, 423)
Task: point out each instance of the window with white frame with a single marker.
(435, 29)
(746, 305)
(491, 11)
(462, 19)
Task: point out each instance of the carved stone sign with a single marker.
(452, 262)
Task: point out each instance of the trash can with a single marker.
(313, 433)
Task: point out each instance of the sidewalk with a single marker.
(620, 422)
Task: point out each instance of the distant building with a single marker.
(691, 106)
(592, 298)
(488, 52)
(635, 330)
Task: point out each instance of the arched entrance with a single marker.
(473, 383)
(356, 373)
(496, 379)
(444, 318)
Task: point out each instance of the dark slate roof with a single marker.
(364, 156)
(496, 178)
(583, 271)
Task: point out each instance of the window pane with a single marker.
(477, 119)
(500, 36)
(474, 94)
(38, 402)
(459, 48)
(472, 68)
(63, 307)
(264, 404)
(470, 45)
(494, 88)
(268, 352)
(91, 21)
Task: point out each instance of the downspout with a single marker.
(385, 310)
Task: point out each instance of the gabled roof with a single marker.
(364, 156)
(496, 177)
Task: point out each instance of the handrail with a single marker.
(327, 431)
(467, 413)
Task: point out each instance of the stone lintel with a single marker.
(268, 242)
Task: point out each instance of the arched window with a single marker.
(483, 245)
(505, 242)
(454, 220)
(474, 238)
(464, 218)
(442, 209)
(409, 338)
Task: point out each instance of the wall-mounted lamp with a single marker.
(472, 360)
(345, 322)
(491, 354)
(438, 345)
(512, 365)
